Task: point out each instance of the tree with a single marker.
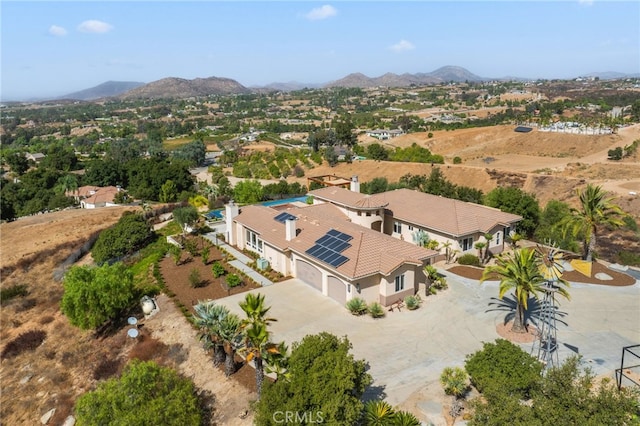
(325, 379)
(129, 234)
(520, 271)
(168, 192)
(375, 151)
(207, 318)
(185, 217)
(596, 210)
(248, 192)
(230, 331)
(18, 162)
(331, 156)
(256, 334)
(145, 394)
(549, 228)
(344, 132)
(516, 201)
(94, 295)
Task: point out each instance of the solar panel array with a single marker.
(328, 248)
(283, 217)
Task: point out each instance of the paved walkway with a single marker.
(240, 261)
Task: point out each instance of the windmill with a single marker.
(551, 267)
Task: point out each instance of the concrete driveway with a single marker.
(407, 350)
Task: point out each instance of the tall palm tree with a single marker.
(256, 333)
(207, 318)
(230, 330)
(596, 210)
(520, 271)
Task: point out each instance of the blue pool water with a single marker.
(214, 214)
(217, 214)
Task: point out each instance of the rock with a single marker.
(567, 266)
(603, 277)
(47, 416)
(25, 379)
(618, 267)
(69, 421)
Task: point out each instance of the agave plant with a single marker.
(405, 418)
(376, 310)
(357, 306)
(412, 302)
(378, 413)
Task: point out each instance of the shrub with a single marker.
(27, 341)
(106, 369)
(376, 310)
(218, 270)
(454, 381)
(412, 302)
(457, 160)
(429, 135)
(191, 246)
(233, 280)
(16, 290)
(469, 259)
(176, 253)
(357, 306)
(128, 235)
(629, 258)
(205, 252)
(504, 367)
(195, 280)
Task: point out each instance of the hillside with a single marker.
(441, 75)
(173, 87)
(104, 90)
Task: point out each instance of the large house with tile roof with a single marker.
(91, 197)
(347, 244)
(320, 245)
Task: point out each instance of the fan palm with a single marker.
(256, 347)
(230, 331)
(596, 210)
(253, 306)
(519, 271)
(207, 318)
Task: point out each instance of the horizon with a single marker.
(57, 48)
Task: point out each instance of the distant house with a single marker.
(384, 134)
(36, 157)
(92, 197)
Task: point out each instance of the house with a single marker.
(319, 245)
(412, 216)
(91, 197)
(36, 157)
(383, 134)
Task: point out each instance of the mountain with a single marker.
(611, 75)
(173, 87)
(289, 86)
(441, 75)
(104, 90)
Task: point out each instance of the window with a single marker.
(466, 243)
(368, 213)
(397, 227)
(253, 241)
(497, 238)
(410, 227)
(400, 283)
(348, 288)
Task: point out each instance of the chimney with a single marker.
(354, 185)
(290, 229)
(230, 212)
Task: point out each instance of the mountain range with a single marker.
(173, 87)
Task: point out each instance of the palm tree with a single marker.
(207, 318)
(596, 210)
(256, 334)
(230, 330)
(454, 381)
(447, 251)
(480, 247)
(520, 271)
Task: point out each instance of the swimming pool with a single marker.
(214, 214)
(285, 201)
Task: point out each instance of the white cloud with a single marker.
(322, 12)
(402, 46)
(57, 31)
(94, 26)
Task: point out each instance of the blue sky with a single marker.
(53, 48)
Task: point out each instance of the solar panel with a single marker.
(329, 246)
(283, 217)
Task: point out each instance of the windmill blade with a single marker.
(551, 265)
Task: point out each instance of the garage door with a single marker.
(309, 274)
(337, 290)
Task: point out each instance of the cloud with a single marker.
(94, 26)
(57, 31)
(322, 12)
(402, 46)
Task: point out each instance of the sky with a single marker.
(51, 48)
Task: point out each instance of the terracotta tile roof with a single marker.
(370, 252)
(345, 197)
(102, 195)
(449, 216)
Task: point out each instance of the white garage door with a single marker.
(337, 290)
(309, 274)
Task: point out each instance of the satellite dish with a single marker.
(133, 333)
(552, 265)
(132, 320)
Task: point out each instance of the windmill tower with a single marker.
(545, 348)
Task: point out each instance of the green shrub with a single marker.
(457, 160)
(205, 252)
(629, 258)
(412, 302)
(469, 259)
(16, 290)
(218, 270)
(233, 280)
(504, 367)
(454, 381)
(176, 253)
(376, 310)
(128, 235)
(195, 280)
(630, 223)
(357, 306)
